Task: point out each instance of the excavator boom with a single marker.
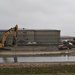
(13, 30)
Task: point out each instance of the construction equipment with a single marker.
(66, 45)
(73, 42)
(13, 30)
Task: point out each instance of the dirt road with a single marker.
(36, 52)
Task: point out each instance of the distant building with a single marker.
(26, 37)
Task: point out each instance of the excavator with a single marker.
(13, 30)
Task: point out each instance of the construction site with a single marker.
(36, 50)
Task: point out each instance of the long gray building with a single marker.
(26, 37)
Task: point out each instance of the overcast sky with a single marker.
(39, 14)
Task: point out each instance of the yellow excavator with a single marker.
(13, 30)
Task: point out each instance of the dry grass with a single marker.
(38, 68)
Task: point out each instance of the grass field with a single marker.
(39, 70)
(43, 74)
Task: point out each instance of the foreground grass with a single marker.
(37, 69)
(43, 74)
(42, 70)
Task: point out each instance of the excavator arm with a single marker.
(13, 30)
(15, 34)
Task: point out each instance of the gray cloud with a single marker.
(39, 14)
